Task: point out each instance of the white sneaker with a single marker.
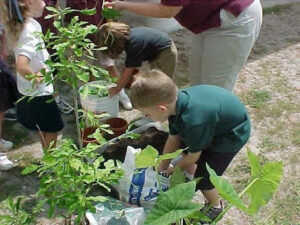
(5, 163)
(124, 99)
(142, 121)
(5, 145)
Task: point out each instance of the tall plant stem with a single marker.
(77, 118)
(230, 205)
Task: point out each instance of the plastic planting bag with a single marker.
(115, 212)
(140, 187)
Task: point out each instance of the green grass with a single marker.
(275, 9)
(295, 133)
(257, 98)
(267, 144)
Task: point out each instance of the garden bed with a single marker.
(151, 136)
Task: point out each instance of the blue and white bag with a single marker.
(140, 187)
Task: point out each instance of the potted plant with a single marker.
(94, 97)
(117, 125)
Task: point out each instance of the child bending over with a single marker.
(141, 44)
(209, 120)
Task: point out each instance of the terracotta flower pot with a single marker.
(117, 125)
(85, 136)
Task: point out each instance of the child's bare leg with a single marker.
(211, 196)
(47, 138)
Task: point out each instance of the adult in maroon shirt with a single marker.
(224, 33)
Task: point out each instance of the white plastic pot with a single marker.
(99, 105)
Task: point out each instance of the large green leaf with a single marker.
(177, 177)
(225, 189)
(254, 164)
(172, 155)
(146, 157)
(262, 189)
(272, 171)
(260, 192)
(108, 13)
(173, 205)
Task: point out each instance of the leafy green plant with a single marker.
(175, 204)
(262, 185)
(69, 172)
(16, 214)
(95, 90)
(68, 175)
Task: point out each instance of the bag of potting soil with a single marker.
(140, 187)
(115, 212)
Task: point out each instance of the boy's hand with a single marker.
(170, 170)
(164, 166)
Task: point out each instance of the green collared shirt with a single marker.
(210, 117)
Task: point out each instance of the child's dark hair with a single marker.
(11, 21)
(114, 36)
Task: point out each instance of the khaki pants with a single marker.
(218, 55)
(166, 61)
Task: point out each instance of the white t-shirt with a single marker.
(27, 46)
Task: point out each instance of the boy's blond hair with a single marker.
(114, 36)
(12, 26)
(151, 88)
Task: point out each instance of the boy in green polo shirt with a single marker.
(209, 120)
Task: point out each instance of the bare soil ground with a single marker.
(269, 85)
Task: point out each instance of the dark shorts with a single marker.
(217, 161)
(40, 114)
(8, 88)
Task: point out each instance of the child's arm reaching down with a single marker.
(187, 162)
(172, 144)
(122, 81)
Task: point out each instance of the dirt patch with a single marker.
(151, 136)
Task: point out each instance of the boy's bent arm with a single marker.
(172, 144)
(113, 72)
(187, 161)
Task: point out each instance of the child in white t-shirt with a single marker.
(40, 113)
